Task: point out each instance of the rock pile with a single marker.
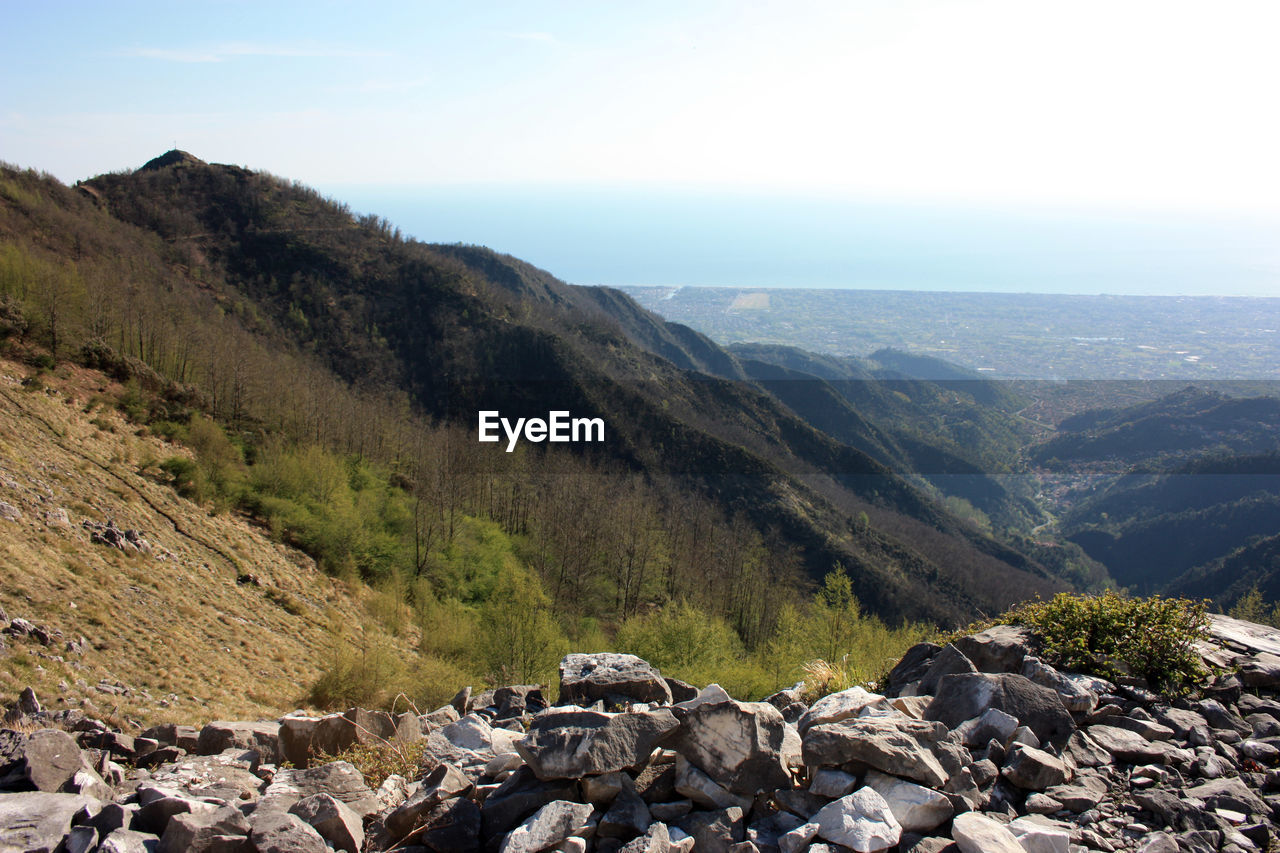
(973, 747)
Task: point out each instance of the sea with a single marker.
(722, 238)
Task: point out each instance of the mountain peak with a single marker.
(171, 158)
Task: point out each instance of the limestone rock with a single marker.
(993, 724)
(333, 819)
(1000, 648)
(715, 831)
(571, 743)
(36, 821)
(691, 782)
(861, 821)
(832, 783)
(223, 830)
(835, 707)
(967, 695)
(221, 735)
(949, 661)
(1033, 769)
(550, 825)
(132, 841)
(899, 746)
(738, 744)
(44, 760)
(280, 832)
(976, 833)
(522, 794)
(915, 807)
(614, 678)
(445, 782)
(337, 778)
(1125, 745)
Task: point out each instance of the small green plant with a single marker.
(1113, 635)
(379, 759)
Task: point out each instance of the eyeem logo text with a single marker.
(558, 426)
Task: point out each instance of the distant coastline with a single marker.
(1000, 335)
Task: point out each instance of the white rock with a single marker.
(861, 821)
(975, 833)
(547, 827)
(797, 839)
(472, 732)
(1035, 837)
(835, 707)
(710, 693)
(832, 783)
(915, 807)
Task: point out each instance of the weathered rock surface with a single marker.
(967, 695)
(738, 744)
(567, 744)
(899, 746)
(614, 678)
(997, 764)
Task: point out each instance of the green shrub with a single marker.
(682, 642)
(1113, 635)
(520, 641)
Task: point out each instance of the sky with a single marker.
(1154, 109)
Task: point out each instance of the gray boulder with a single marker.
(337, 778)
(993, 724)
(1000, 648)
(1125, 745)
(453, 826)
(715, 831)
(915, 807)
(546, 828)
(221, 735)
(861, 821)
(899, 746)
(334, 733)
(1033, 769)
(45, 760)
(333, 819)
(835, 707)
(949, 661)
(738, 744)
(36, 821)
(967, 695)
(445, 782)
(223, 830)
(571, 743)
(280, 832)
(627, 817)
(616, 679)
(132, 841)
(691, 782)
(519, 796)
(977, 833)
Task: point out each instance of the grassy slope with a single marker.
(179, 625)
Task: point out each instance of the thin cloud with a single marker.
(236, 50)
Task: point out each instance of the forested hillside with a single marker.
(1184, 492)
(328, 373)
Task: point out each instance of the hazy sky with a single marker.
(1160, 104)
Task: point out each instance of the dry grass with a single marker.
(180, 625)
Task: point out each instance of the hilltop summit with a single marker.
(174, 157)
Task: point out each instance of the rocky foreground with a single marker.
(978, 747)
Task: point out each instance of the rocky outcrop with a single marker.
(1004, 754)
